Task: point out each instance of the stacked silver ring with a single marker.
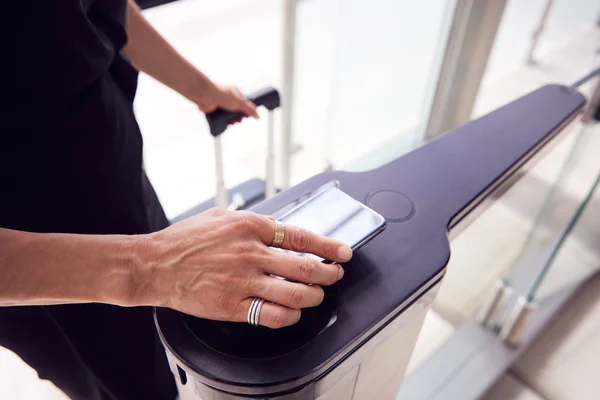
(254, 311)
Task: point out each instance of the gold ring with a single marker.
(279, 234)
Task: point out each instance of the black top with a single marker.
(69, 144)
(71, 161)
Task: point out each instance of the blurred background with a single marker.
(365, 82)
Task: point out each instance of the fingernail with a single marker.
(340, 273)
(344, 253)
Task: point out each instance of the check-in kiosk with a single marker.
(357, 344)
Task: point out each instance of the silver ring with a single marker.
(254, 311)
(251, 311)
(257, 312)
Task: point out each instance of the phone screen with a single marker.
(335, 214)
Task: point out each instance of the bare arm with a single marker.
(151, 53)
(211, 266)
(62, 268)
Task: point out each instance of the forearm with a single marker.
(211, 266)
(150, 53)
(62, 268)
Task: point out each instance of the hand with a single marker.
(228, 98)
(213, 264)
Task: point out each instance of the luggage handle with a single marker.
(218, 121)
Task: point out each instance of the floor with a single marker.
(178, 152)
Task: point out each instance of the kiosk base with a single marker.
(375, 371)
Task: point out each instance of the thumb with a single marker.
(206, 109)
(249, 108)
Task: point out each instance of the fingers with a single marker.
(296, 239)
(289, 294)
(304, 241)
(276, 316)
(229, 98)
(248, 108)
(271, 315)
(302, 268)
(297, 268)
(244, 105)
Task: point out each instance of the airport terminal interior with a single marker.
(516, 315)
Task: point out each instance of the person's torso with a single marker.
(54, 51)
(70, 149)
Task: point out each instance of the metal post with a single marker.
(501, 292)
(469, 45)
(270, 172)
(593, 104)
(535, 36)
(221, 196)
(289, 50)
(517, 322)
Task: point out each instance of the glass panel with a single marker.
(388, 54)
(315, 40)
(513, 38)
(566, 20)
(365, 71)
(565, 231)
(549, 269)
(530, 215)
(519, 223)
(570, 34)
(562, 198)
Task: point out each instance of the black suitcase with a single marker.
(251, 192)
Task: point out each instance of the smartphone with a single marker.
(335, 214)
